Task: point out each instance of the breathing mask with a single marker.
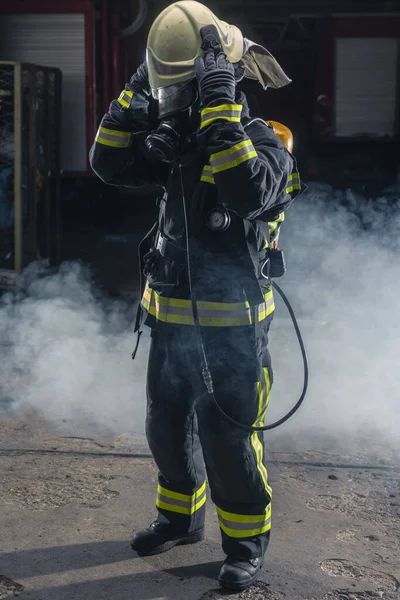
(178, 111)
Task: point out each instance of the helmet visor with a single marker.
(175, 98)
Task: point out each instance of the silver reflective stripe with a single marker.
(229, 314)
(222, 113)
(245, 526)
(206, 313)
(218, 114)
(267, 304)
(207, 174)
(182, 503)
(114, 138)
(125, 98)
(173, 501)
(223, 160)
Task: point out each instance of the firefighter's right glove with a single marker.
(215, 74)
(131, 109)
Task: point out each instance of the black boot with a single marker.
(238, 574)
(160, 537)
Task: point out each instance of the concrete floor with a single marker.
(68, 507)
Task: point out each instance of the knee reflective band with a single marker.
(234, 156)
(181, 503)
(294, 183)
(243, 526)
(211, 314)
(113, 138)
(264, 394)
(225, 112)
(125, 98)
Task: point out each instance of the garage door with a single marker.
(366, 86)
(55, 40)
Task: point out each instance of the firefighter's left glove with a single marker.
(215, 74)
(139, 83)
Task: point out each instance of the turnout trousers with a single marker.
(190, 439)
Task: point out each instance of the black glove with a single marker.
(215, 74)
(139, 83)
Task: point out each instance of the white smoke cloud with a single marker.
(343, 277)
(66, 351)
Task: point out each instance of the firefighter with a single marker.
(227, 180)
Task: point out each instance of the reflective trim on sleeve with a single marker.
(211, 314)
(295, 183)
(125, 98)
(181, 503)
(207, 175)
(244, 526)
(264, 394)
(228, 159)
(113, 138)
(223, 112)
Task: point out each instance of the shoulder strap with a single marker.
(143, 248)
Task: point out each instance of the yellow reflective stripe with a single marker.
(296, 184)
(264, 394)
(291, 188)
(211, 314)
(164, 300)
(228, 159)
(181, 503)
(224, 112)
(249, 519)
(266, 309)
(178, 496)
(243, 526)
(207, 175)
(113, 137)
(274, 224)
(125, 98)
(228, 107)
(181, 509)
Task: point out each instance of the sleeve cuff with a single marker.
(113, 138)
(224, 112)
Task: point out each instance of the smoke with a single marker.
(344, 280)
(66, 349)
(66, 352)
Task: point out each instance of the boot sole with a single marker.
(193, 538)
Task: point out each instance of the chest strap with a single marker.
(169, 250)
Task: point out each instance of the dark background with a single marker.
(100, 224)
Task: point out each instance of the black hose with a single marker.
(204, 363)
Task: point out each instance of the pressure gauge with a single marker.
(218, 219)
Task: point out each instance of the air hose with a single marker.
(207, 378)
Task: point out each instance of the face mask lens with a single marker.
(175, 98)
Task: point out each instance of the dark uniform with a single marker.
(241, 165)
